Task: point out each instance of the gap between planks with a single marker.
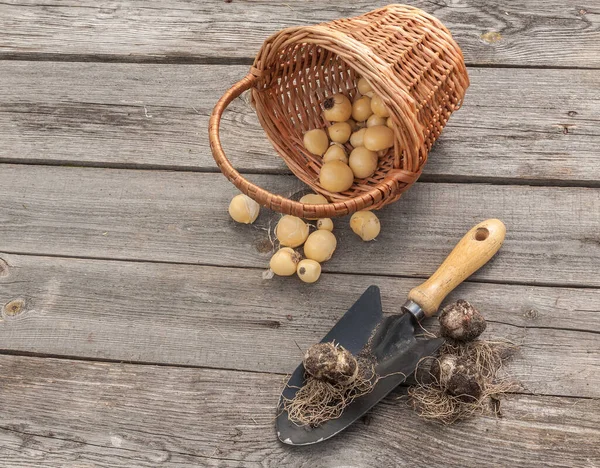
(199, 60)
(427, 178)
(83, 359)
(342, 273)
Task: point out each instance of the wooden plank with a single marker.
(79, 413)
(157, 116)
(537, 33)
(25, 450)
(233, 319)
(182, 217)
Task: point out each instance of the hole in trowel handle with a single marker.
(481, 234)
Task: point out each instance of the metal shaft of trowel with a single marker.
(415, 309)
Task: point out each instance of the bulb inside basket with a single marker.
(294, 101)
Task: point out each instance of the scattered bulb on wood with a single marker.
(363, 162)
(309, 270)
(361, 109)
(335, 176)
(340, 132)
(365, 224)
(378, 107)
(335, 152)
(243, 209)
(356, 139)
(314, 199)
(390, 123)
(316, 141)
(320, 245)
(291, 231)
(375, 120)
(284, 262)
(325, 223)
(364, 87)
(337, 108)
(378, 138)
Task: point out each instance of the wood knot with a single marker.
(572, 113)
(531, 314)
(13, 308)
(491, 37)
(3, 269)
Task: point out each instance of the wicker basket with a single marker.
(407, 56)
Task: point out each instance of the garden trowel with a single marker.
(392, 341)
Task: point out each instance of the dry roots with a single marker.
(318, 401)
(432, 401)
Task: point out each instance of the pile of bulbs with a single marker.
(364, 126)
(293, 232)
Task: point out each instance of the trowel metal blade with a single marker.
(394, 348)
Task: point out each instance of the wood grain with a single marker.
(82, 414)
(552, 233)
(233, 319)
(131, 115)
(535, 33)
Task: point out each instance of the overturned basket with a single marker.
(408, 57)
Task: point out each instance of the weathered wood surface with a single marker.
(538, 32)
(182, 217)
(233, 319)
(100, 414)
(168, 279)
(541, 124)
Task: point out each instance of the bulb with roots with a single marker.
(461, 322)
(334, 379)
(331, 363)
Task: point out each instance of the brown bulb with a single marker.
(340, 132)
(336, 152)
(361, 109)
(316, 141)
(337, 108)
(363, 162)
(378, 138)
(378, 107)
(335, 176)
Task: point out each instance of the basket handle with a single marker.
(396, 182)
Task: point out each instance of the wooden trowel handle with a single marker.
(470, 254)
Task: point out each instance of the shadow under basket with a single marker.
(407, 56)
